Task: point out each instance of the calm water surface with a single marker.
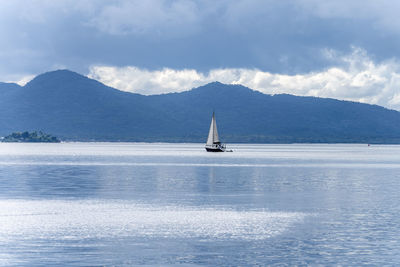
(116, 204)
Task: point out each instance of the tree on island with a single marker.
(34, 137)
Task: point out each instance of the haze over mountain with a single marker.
(74, 107)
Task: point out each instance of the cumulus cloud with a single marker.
(137, 80)
(356, 78)
(24, 80)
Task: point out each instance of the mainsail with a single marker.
(213, 133)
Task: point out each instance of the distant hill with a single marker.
(74, 107)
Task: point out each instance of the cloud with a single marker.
(25, 79)
(134, 79)
(356, 77)
(191, 35)
(155, 17)
(383, 13)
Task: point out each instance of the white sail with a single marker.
(213, 133)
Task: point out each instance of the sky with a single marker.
(340, 49)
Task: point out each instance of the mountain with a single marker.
(74, 107)
(6, 88)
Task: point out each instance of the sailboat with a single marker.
(213, 144)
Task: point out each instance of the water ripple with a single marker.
(32, 219)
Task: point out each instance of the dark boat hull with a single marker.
(209, 149)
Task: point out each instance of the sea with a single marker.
(158, 204)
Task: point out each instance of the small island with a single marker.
(33, 137)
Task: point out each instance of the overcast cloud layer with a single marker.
(343, 49)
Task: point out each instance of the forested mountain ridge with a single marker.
(74, 107)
